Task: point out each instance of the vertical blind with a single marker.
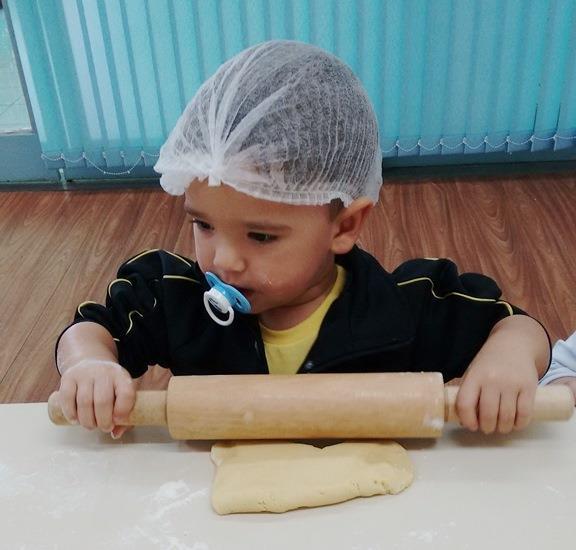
(107, 79)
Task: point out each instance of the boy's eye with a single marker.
(202, 225)
(262, 237)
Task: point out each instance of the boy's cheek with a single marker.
(202, 256)
(280, 284)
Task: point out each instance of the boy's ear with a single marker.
(348, 224)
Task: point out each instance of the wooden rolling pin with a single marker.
(317, 406)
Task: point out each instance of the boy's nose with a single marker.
(227, 260)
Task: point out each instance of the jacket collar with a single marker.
(370, 314)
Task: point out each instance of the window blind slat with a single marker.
(107, 80)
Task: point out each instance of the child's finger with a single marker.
(467, 405)
(104, 403)
(67, 399)
(125, 399)
(488, 407)
(85, 404)
(507, 412)
(118, 431)
(524, 409)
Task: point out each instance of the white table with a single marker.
(67, 488)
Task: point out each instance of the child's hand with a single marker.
(569, 381)
(99, 394)
(499, 386)
(497, 394)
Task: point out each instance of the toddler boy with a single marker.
(279, 160)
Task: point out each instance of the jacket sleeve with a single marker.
(454, 313)
(563, 360)
(134, 312)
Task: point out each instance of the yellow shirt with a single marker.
(287, 349)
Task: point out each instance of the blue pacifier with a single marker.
(225, 299)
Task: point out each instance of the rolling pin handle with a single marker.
(149, 410)
(550, 403)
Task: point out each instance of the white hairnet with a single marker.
(282, 121)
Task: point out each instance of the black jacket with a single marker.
(422, 317)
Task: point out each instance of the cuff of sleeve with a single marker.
(555, 373)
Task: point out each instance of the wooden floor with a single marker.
(58, 249)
